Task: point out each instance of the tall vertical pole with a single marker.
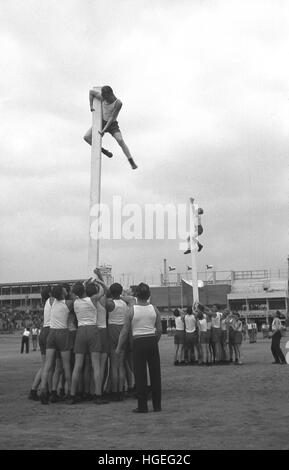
(95, 186)
(194, 247)
(165, 272)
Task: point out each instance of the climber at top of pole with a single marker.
(111, 107)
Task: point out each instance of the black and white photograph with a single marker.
(144, 258)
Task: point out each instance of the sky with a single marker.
(204, 87)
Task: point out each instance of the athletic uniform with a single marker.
(203, 331)
(216, 328)
(115, 321)
(87, 336)
(42, 339)
(145, 324)
(58, 337)
(191, 331)
(179, 337)
(107, 111)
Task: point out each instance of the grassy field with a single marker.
(220, 407)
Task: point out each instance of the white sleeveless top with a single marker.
(107, 110)
(101, 316)
(59, 315)
(47, 313)
(216, 321)
(180, 326)
(144, 320)
(190, 323)
(203, 324)
(85, 311)
(116, 317)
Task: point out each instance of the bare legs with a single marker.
(118, 137)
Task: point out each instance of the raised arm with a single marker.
(158, 324)
(93, 94)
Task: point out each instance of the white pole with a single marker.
(95, 186)
(194, 247)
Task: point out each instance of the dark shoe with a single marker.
(98, 400)
(87, 397)
(72, 400)
(106, 152)
(157, 410)
(176, 363)
(137, 410)
(182, 363)
(132, 163)
(120, 396)
(33, 395)
(275, 362)
(53, 397)
(187, 252)
(44, 399)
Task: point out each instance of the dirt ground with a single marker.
(219, 407)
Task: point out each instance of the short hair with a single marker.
(91, 289)
(78, 289)
(278, 314)
(115, 290)
(143, 291)
(45, 293)
(106, 90)
(57, 292)
(200, 316)
(189, 311)
(176, 312)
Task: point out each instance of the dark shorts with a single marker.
(191, 340)
(238, 337)
(112, 128)
(216, 335)
(179, 337)
(42, 339)
(203, 337)
(87, 340)
(58, 339)
(113, 333)
(104, 340)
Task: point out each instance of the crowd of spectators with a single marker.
(13, 320)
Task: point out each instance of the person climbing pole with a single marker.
(111, 107)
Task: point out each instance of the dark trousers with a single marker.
(25, 341)
(146, 353)
(275, 348)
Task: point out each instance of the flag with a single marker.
(209, 266)
(172, 268)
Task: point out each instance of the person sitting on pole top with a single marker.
(111, 107)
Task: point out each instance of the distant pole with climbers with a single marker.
(95, 186)
(194, 247)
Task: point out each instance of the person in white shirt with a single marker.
(111, 107)
(216, 333)
(276, 338)
(179, 337)
(117, 312)
(191, 336)
(144, 321)
(25, 340)
(202, 334)
(34, 332)
(45, 298)
(237, 326)
(57, 340)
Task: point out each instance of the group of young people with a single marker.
(96, 345)
(207, 336)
